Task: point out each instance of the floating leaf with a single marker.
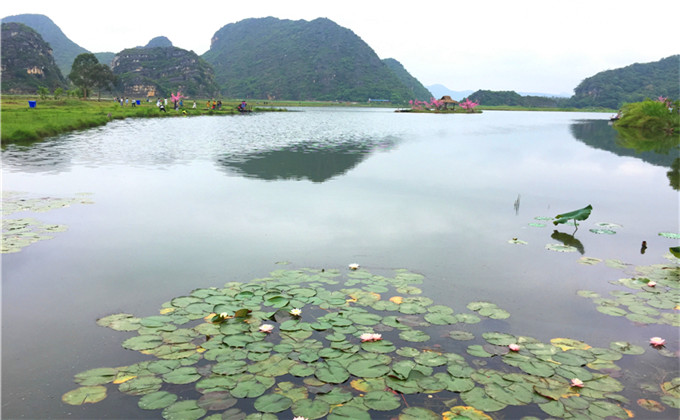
(479, 399)
(85, 395)
(348, 412)
(183, 375)
(560, 248)
(418, 413)
(465, 413)
(141, 385)
(415, 336)
(369, 368)
(331, 373)
(183, 410)
(97, 376)
(461, 335)
(311, 409)
(603, 231)
(156, 400)
(273, 403)
(651, 405)
(382, 401)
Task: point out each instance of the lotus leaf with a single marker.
(273, 403)
(183, 410)
(418, 413)
(331, 373)
(368, 368)
(415, 336)
(580, 214)
(156, 400)
(479, 399)
(96, 376)
(85, 395)
(348, 412)
(465, 413)
(141, 385)
(311, 409)
(251, 386)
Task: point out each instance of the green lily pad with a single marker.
(183, 375)
(415, 336)
(336, 396)
(85, 395)
(332, 373)
(143, 342)
(461, 335)
(311, 409)
(349, 412)
(418, 413)
(368, 368)
(141, 385)
(669, 235)
(97, 376)
(273, 403)
(183, 410)
(479, 399)
(157, 400)
(382, 400)
(560, 248)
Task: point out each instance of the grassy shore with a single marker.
(51, 117)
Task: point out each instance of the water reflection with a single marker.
(313, 161)
(568, 240)
(658, 150)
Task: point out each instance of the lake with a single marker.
(161, 207)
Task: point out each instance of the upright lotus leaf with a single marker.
(85, 395)
(580, 214)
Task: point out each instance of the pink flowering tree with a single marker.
(468, 105)
(176, 98)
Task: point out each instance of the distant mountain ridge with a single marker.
(300, 60)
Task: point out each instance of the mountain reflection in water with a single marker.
(312, 161)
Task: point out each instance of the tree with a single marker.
(87, 73)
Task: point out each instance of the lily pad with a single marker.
(183, 410)
(382, 400)
(157, 400)
(273, 403)
(311, 409)
(85, 395)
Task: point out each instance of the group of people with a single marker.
(126, 101)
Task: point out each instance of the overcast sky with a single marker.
(522, 45)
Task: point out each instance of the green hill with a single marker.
(64, 50)
(27, 61)
(634, 83)
(418, 91)
(158, 71)
(299, 60)
(512, 98)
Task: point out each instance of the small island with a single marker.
(444, 105)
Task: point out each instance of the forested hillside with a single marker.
(158, 71)
(512, 98)
(27, 61)
(418, 91)
(613, 88)
(300, 60)
(64, 50)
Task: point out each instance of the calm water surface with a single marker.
(195, 202)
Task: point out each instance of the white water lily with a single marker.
(353, 266)
(296, 312)
(224, 315)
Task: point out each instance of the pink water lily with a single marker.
(651, 284)
(657, 341)
(266, 328)
(577, 383)
(370, 337)
(514, 347)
